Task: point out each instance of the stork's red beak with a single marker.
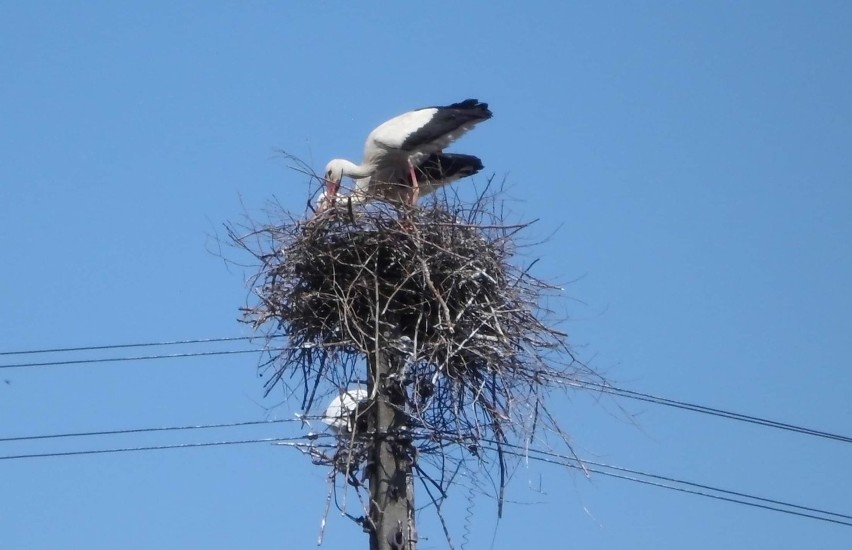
(331, 188)
(328, 198)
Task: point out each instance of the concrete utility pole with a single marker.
(391, 518)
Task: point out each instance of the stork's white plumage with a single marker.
(340, 412)
(397, 150)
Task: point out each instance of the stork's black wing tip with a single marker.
(473, 106)
(440, 166)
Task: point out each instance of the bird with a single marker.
(397, 148)
(436, 171)
(340, 416)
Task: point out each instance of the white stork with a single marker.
(340, 414)
(397, 149)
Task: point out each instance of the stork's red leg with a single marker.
(415, 187)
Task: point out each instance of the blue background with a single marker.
(692, 158)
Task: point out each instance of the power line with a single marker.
(157, 447)
(602, 387)
(657, 400)
(673, 480)
(584, 463)
(656, 480)
(136, 358)
(146, 430)
(688, 487)
(131, 345)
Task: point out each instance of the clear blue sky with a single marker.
(695, 158)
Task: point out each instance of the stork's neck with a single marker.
(356, 171)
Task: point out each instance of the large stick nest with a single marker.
(434, 285)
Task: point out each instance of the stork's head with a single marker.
(331, 181)
(333, 176)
